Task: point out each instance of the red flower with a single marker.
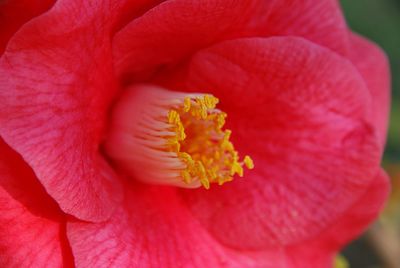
(306, 99)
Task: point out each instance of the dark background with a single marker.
(379, 20)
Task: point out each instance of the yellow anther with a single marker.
(173, 117)
(186, 176)
(248, 162)
(236, 169)
(227, 134)
(205, 183)
(186, 104)
(221, 120)
(203, 111)
(201, 170)
(210, 101)
(180, 132)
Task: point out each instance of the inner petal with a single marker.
(173, 138)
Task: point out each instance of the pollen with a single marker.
(179, 139)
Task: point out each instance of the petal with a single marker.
(349, 225)
(14, 13)
(146, 231)
(299, 110)
(32, 227)
(321, 22)
(357, 218)
(163, 36)
(154, 229)
(373, 65)
(57, 83)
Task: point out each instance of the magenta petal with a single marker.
(57, 82)
(32, 227)
(300, 111)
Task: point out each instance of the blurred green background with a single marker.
(379, 20)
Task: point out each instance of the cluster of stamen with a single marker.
(176, 139)
(201, 143)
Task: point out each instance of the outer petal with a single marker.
(154, 229)
(300, 111)
(131, 238)
(349, 225)
(175, 29)
(32, 227)
(373, 65)
(14, 13)
(56, 85)
(321, 22)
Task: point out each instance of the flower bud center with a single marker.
(174, 138)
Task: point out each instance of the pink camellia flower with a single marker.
(126, 126)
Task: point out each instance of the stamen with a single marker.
(173, 138)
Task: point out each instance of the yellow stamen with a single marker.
(204, 148)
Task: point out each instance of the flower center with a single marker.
(173, 138)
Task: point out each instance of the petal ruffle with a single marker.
(300, 111)
(32, 227)
(57, 82)
(175, 29)
(373, 65)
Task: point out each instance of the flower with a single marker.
(306, 99)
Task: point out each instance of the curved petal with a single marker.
(349, 225)
(57, 82)
(373, 65)
(357, 218)
(32, 227)
(147, 231)
(164, 36)
(154, 229)
(299, 110)
(321, 22)
(14, 13)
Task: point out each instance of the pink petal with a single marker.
(373, 65)
(154, 229)
(57, 83)
(32, 228)
(151, 229)
(300, 111)
(321, 22)
(14, 13)
(349, 225)
(165, 35)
